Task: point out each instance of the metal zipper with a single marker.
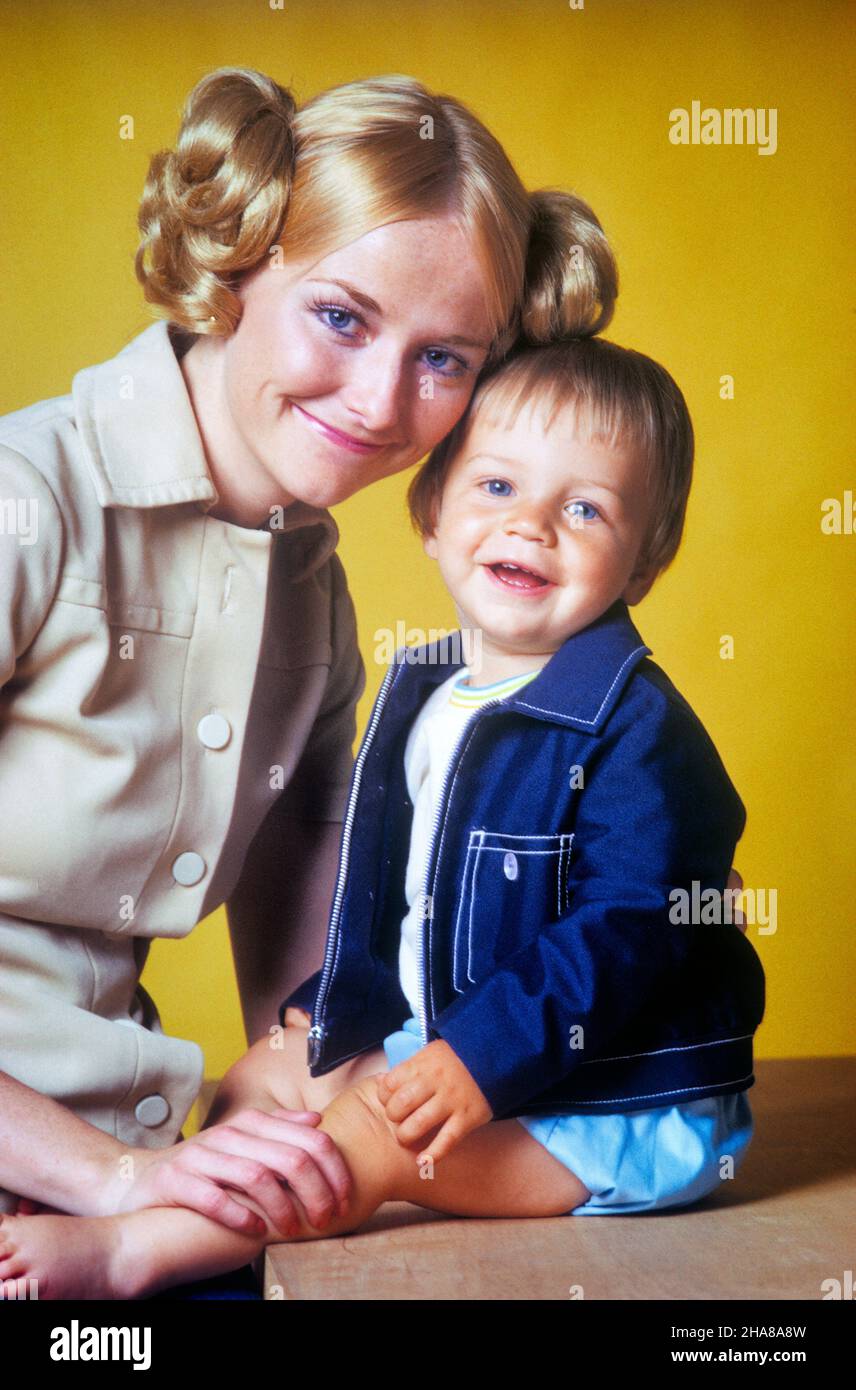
(316, 1032)
(426, 898)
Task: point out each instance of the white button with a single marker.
(151, 1111)
(188, 868)
(214, 730)
(509, 865)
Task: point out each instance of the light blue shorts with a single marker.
(639, 1160)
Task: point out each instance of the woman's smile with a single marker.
(344, 441)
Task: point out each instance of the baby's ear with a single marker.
(639, 583)
(429, 544)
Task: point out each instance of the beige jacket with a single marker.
(165, 678)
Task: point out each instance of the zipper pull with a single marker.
(313, 1043)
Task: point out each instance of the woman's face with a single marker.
(342, 370)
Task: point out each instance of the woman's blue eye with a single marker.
(337, 318)
(335, 309)
(458, 364)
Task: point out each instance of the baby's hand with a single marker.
(433, 1087)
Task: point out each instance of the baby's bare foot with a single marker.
(68, 1257)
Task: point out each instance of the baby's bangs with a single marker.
(602, 409)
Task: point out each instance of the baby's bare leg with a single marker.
(497, 1170)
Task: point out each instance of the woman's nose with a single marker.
(374, 393)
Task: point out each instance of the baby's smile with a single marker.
(527, 581)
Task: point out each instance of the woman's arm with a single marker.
(279, 910)
(49, 1153)
(278, 913)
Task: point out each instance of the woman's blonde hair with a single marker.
(618, 398)
(250, 172)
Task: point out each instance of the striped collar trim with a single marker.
(470, 696)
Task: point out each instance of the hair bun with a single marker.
(214, 204)
(571, 273)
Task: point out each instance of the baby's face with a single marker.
(571, 514)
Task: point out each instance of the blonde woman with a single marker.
(179, 666)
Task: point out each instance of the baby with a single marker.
(515, 1016)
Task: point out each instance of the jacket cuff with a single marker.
(507, 1066)
(302, 998)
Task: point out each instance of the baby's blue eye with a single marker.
(589, 515)
(489, 482)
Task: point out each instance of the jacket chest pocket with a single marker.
(512, 885)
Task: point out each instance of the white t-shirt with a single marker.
(430, 744)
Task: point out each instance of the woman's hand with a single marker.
(256, 1152)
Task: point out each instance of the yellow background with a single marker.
(731, 263)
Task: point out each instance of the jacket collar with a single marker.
(578, 686)
(142, 445)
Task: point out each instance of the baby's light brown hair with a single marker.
(619, 397)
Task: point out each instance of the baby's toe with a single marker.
(9, 1264)
(6, 1231)
(14, 1290)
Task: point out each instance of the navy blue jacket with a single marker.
(551, 962)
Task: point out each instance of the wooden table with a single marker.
(785, 1224)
